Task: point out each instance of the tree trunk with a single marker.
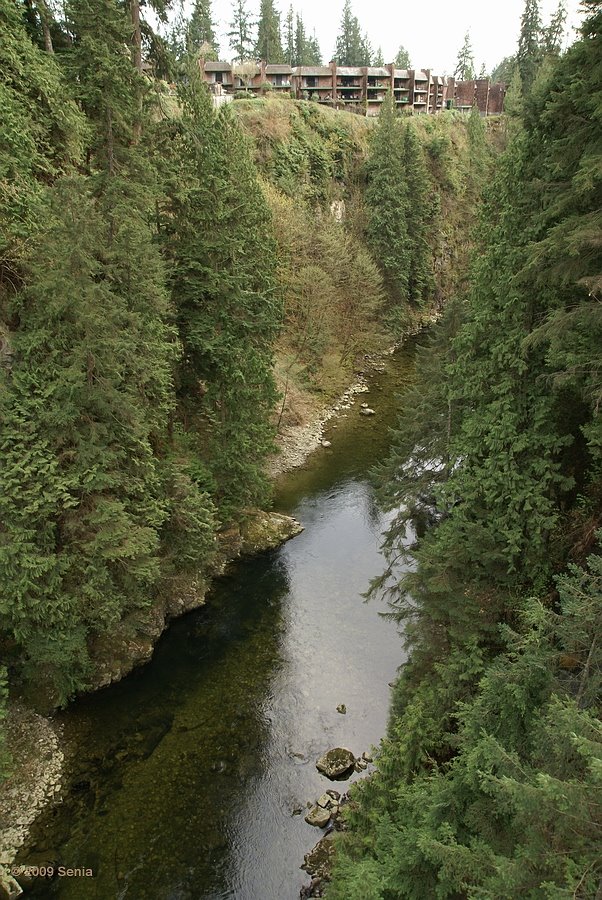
(45, 20)
(136, 35)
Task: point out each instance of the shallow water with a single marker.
(187, 779)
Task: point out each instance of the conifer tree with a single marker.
(379, 59)
(553, 33)
(219, 245)
(241, 31)
(289, 37)
(366, 51)
(419, 219)
(269, 44)
(387, 202)
(349, 50)
(402, 60)
(528, 55)
(313, 54)
(465, 70)
(300, 43)
(201, 27)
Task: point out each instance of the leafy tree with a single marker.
(402, 60)
(528, 55)
(349, 50)
(269, 45)
(241, 31)
(465, 70)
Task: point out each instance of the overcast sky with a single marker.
(432, 32)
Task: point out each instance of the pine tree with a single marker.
(313, 54)
(366, 51)
(220, 249)
(528, 55)
(201, 27)
(387, 202)
(349, 50)
(464, 70)
(269, 45)
(241, 31)
(300, 43)
(554, 33)
(419, 219)
(402, 60)
(289, 38)
(379, 59)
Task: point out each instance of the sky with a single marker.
(432, 32)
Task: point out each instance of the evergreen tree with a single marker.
(528, 55)
(504, 70)
(379, 59)
(289, 38)
(464, 70)
(313, 54)
(349, 50)
(219, 244)
(402, 60)
(419, 219)
(554, 33)
(387, 202)
(300, 43)
(366, 51)
(269, 45)
(201, 28)
(241, 31)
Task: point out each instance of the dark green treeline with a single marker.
(488, 783)
(138, 307)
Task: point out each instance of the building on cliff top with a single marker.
(360, 89)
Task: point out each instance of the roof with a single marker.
(402, 73)
(378, 70)
(349, 70)
(420, 76)
(312, 70)
(211, 66)
(278, 70)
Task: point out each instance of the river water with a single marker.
(186, 781)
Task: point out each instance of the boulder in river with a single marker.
(318, 816)
(318, 862)
(341, 708)
(336, 764)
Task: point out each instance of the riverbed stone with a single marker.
(367, 411)
(336, 764)
(341, 708)
(318, 862)
(318, 817)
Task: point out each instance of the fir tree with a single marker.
(379, 59)
(289, 38)
(349, 50)
(528, 55)
(387, 202)
(419, 219)
(464, 70)
(241, 31)
(201, 27)
(554, 33)
(402, 60)
(366, 51)
(269, 45)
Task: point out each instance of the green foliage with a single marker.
(402, 60)
(218, 239)
(352, 48)
(201, 27)
(400, 212)
(528, 56)
(241, 31)
(488, 783)
(269, 45)
(465, 67)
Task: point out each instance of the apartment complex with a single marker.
(361, 89)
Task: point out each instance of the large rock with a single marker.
(318, 816)
(336, 764)
(318, 862)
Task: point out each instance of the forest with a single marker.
(176, 282)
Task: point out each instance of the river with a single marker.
(189, 780)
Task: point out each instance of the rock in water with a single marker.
(366, 411)
(318, 817)
(336, 764)
(319, 861)
(341, 708)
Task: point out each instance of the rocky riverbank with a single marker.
(297, 441)
(34, 743)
